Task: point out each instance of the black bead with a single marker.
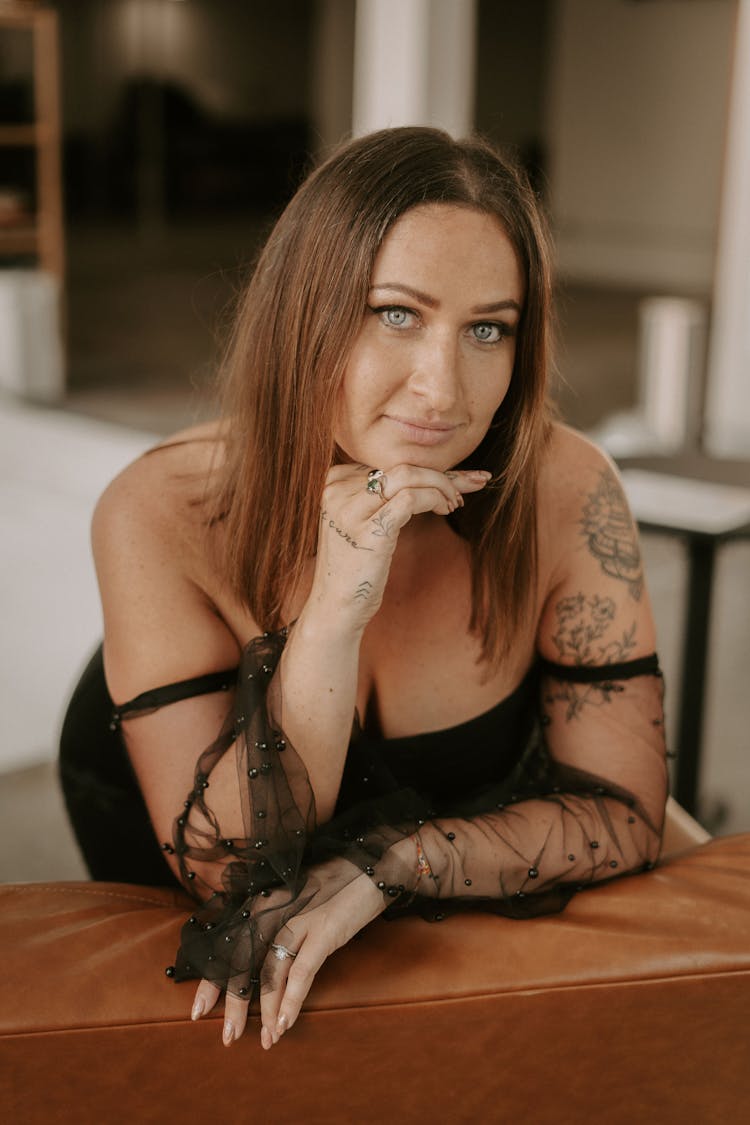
(167, 848)
(261, 815)
(192, 920)
(369, 870)
(594, 844)
(188, 967)
(252, 773)
(170, 970)
(266, 767)
(190, 875)
(181, 821)
(245, 913)
(613, 863)
(298, 832)
(365, 780)
(204, 785)
(520, 894)
(571, 857)
(228, 938)
(420, 822)
(209, 925)
(281, 744)
(393, 891)
(467, 882)
(631, 820)
(533, 873)
(439, 917)
(360, 840)
(500, 805)
(210, 957)
(265, 894)
(451, 835)
(381, 885)
(228, 843)
(244, 991)
(186, 804)
(261, 745)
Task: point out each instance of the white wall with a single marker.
(53, 466)
(637, 106)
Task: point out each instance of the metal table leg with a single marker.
(701, 556)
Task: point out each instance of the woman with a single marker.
(454, 701)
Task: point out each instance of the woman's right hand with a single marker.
(359, 531)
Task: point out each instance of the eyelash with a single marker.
(505, 331)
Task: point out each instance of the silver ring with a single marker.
(281, 952)
(375, 482)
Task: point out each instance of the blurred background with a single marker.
(146, 146)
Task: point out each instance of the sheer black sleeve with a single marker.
(520, 846)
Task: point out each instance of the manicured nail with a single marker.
(281, 1025)
(199, 1008)
(228, 1033)
(478, 474)
(266, 1039)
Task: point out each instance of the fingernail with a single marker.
(199, 1008)
(266, 1039)
(281, 1025)
(228, 1033)
(459, 500)
(478, 474)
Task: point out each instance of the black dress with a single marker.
(487, 815)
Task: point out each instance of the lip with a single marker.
(423, 433)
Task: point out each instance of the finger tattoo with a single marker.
(382, 526)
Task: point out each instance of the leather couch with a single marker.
(633, 1005)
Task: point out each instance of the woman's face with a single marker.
(434, 355)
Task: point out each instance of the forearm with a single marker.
(318, 685)
(524, 849)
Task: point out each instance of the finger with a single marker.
(273, 979)
(298, 984)
(206, 996)
(235, 1018)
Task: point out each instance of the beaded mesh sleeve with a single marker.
(520, 847)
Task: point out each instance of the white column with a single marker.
(727, 413)
(414, 64)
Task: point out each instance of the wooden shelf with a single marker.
(45, 238)
(18, 240)
(19, 136)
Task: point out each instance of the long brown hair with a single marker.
(296, 325)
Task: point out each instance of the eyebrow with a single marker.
(432, 302)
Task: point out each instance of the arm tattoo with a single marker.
(363, 591)
(611, 535)
(382, 526)
(343, 534)
(583, 625)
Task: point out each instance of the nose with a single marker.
(435, 374)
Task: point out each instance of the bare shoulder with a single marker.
(571, 465)
(590, 543)
(152, 540)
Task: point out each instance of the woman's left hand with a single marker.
(312, 936)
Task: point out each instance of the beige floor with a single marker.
(143, 343)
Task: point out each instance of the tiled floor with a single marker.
(143, 339)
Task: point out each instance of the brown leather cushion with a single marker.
(632, 1004)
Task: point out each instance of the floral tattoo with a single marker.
(582, 636)
(611, 535)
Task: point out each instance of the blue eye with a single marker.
(394, 316)
(487, 332)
